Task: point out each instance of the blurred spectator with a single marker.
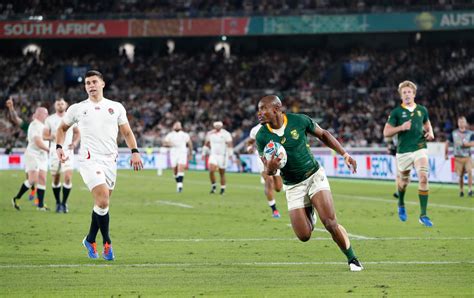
(200, 88)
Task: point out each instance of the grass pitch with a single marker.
(194, 243)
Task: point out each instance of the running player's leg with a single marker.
(56, 187)
(421, 167)
(180, 177)
(404, 165)
(269, 188)
(301, 224)
(212, 177)
(223, 180)
(298, 200)
(67, 186)
(41, 189)
(32, 178)
(324, 205)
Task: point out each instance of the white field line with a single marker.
(220, 264)
(350, 235)
(313, 238)
(169, 203)
(361, 198)
(335, 195)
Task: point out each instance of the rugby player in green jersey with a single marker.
(305, 180)
(410, 122)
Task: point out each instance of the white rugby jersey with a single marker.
(254, 130)
(178, 140)
(35, 129)
(52, 123)
(218, 140)
(99, 126)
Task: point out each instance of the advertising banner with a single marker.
(370, 166)
(241, 26)
(63, 29)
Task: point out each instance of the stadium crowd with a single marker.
(201, 8)
(200, 88)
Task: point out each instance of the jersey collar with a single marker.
(285, 122)
(407, 108)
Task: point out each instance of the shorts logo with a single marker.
(109, 183)
(111, 111)
(294, 134)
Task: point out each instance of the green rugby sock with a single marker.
(349, 253)
(401, 198)
(423, 195)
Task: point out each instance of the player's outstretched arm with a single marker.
(14, 118)
(136, 160)
(60, 137)
(329, 140)
(429, 134)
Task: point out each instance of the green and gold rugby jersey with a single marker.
(413, 139)
(301, 163)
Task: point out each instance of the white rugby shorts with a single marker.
(218, 160)
(178, 158)
(55, 165)
(97, 172)
(299, 195)
(405, 161)
(35, 162)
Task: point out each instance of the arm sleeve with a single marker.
(122, 117)
(309, 123)
(253, 132)
(70, 117)
(229, 137)
(393, 119)
(426, 118)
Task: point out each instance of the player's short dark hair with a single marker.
(91, 73)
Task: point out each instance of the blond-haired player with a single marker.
(411, 123)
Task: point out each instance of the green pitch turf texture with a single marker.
(194, 243)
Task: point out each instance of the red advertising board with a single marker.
(63, 29)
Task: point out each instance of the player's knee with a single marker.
(304, 238)
(330, 225)
(277, 187)
(103, 203)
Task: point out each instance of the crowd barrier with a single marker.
(370, 166)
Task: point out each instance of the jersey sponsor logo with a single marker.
(419, 113)
(404, 114)
(97, 108)
(294, 134)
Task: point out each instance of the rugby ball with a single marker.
(278, 149)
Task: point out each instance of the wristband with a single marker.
(135, 150)
(58, 147)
